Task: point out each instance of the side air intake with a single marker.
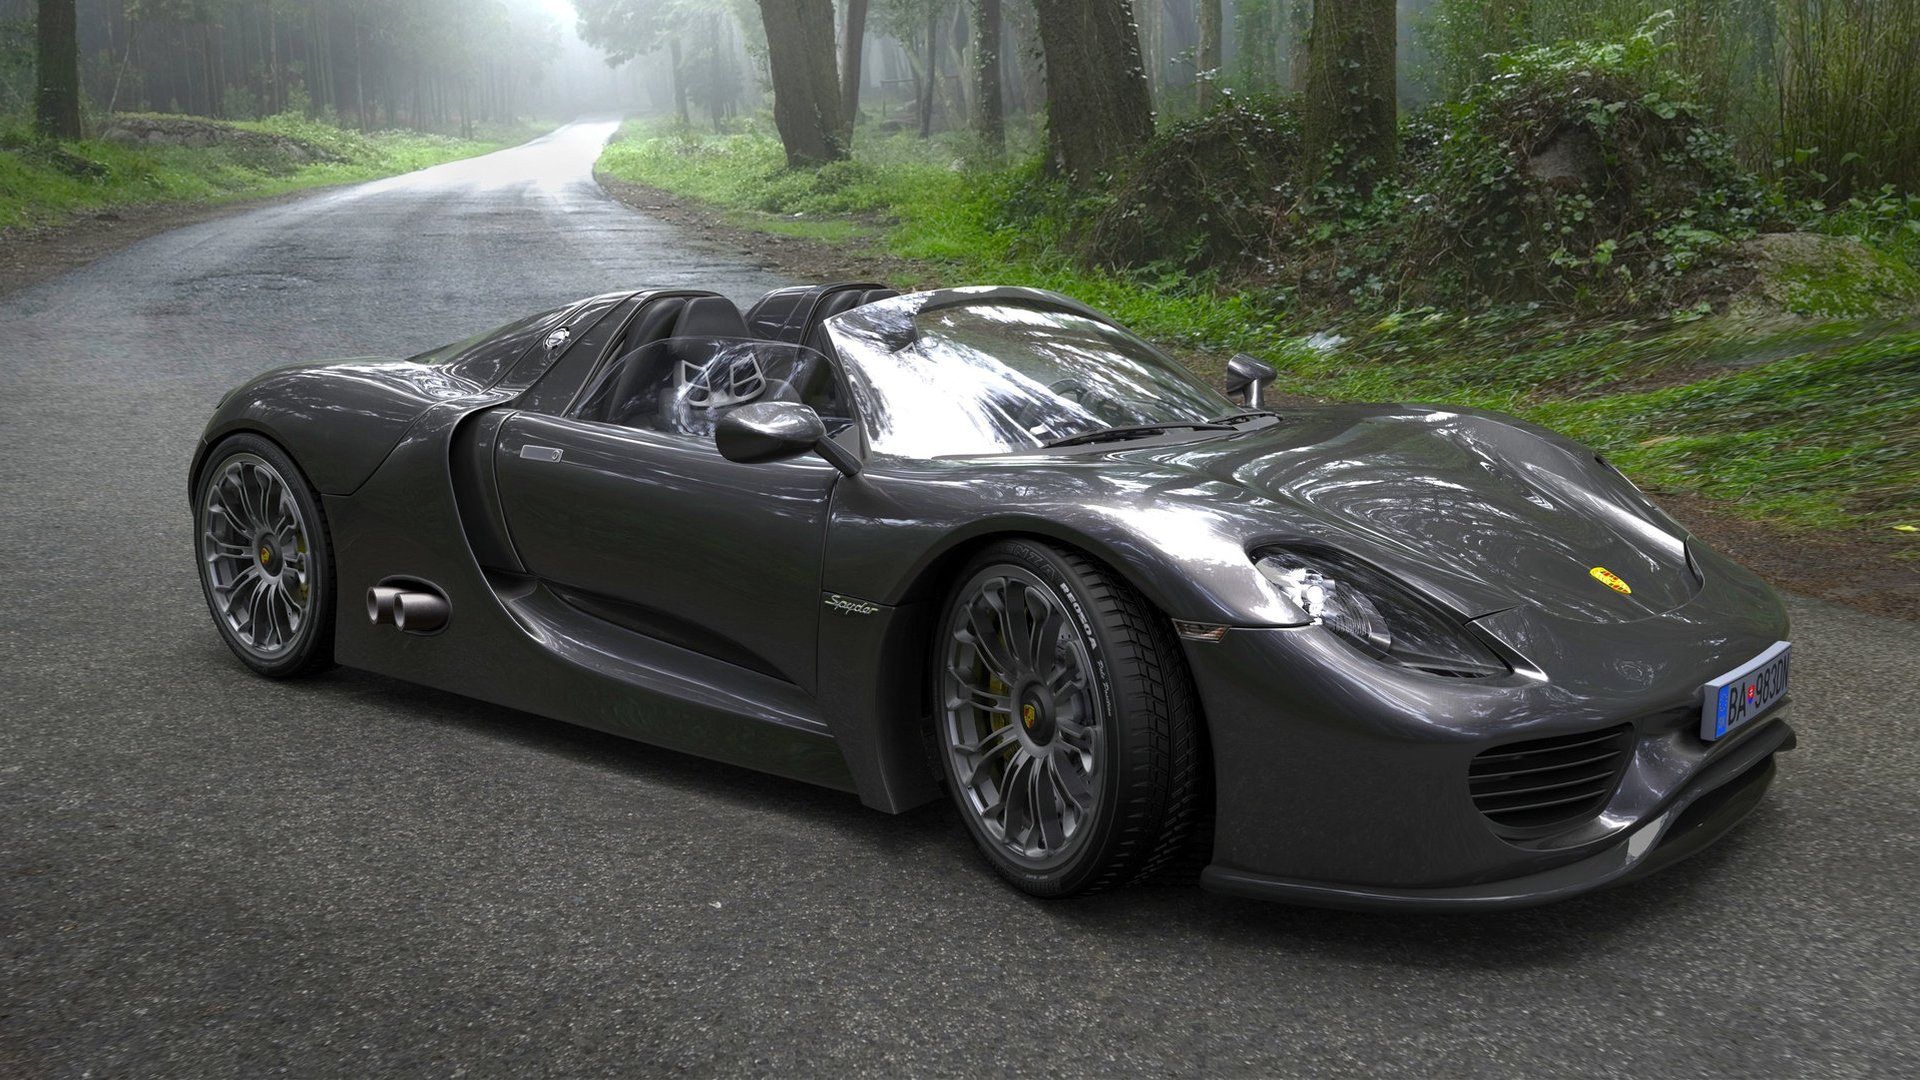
(1538, 787)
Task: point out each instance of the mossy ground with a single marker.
(44, 183)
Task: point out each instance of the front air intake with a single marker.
(1537, 787)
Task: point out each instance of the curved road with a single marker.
(205, 874)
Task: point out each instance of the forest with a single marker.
(1586, 211)
(423, 64)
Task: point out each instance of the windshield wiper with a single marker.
(1134, 431)
(1248, 414)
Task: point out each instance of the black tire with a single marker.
(1122, 732)
(265, 558)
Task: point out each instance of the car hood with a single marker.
(1482, 511)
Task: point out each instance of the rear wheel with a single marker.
(266, 561)
(1065, 720)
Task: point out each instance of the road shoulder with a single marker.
(31, 255)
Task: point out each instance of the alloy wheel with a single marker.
(255, 551)
(1021, 725)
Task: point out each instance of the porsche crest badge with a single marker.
(1610, 579)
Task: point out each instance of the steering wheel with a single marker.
(1035, 412)
(1072, 388)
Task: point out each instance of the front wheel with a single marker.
(266, 561)
(1065, 721)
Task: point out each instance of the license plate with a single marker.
(1745, 692)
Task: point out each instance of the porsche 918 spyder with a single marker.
(987, 541)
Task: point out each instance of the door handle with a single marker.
(540, 453)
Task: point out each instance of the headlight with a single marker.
(1376, 615)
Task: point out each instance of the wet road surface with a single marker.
(206, 874)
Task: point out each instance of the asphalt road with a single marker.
(205, 874)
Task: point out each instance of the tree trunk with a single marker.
(1207, 56)
(806, 86)
(989, 116)
(959, 104)
(276, 87)
(359, 75)
(679, 82)
(1299, 27)
(932, 80)
(126, 57)
(850, 53)
(1351, 107)
(56, 98)
(209, 75)
(1098, 108)
(1029, 67)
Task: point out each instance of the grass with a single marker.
(45, 183)
(1816, 428)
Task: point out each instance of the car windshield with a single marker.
(999, 376)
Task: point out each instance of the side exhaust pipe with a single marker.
(410, 610)
(380, 604)
(419, 612)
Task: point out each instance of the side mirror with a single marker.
(777, 430)
(1248, 376)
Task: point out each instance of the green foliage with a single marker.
(921, 199)
(1849, 101)
(1821, 94)
(1200, 196)
(1887, 221)
(1581, 173)
(747, 170)
(1685, 404)
(625, 29)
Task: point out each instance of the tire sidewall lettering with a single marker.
(1059, 581)
(1109, 622)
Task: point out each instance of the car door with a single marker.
(655, 531)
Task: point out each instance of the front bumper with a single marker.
(1717, 799)
(1342, 781)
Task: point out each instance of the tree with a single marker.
(989, 115)
(806, 86)
(807, 109)
(915, 25)
(56, 97)
(1351, 108)
(625, 29)
(1207, 55)
(931, 81)
(855, 40)
(1098, 107)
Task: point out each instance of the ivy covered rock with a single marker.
(1583, 173)
(269, 151)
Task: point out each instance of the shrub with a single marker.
(1200, 196)
(1581, 172)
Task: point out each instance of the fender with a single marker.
(363, 407)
